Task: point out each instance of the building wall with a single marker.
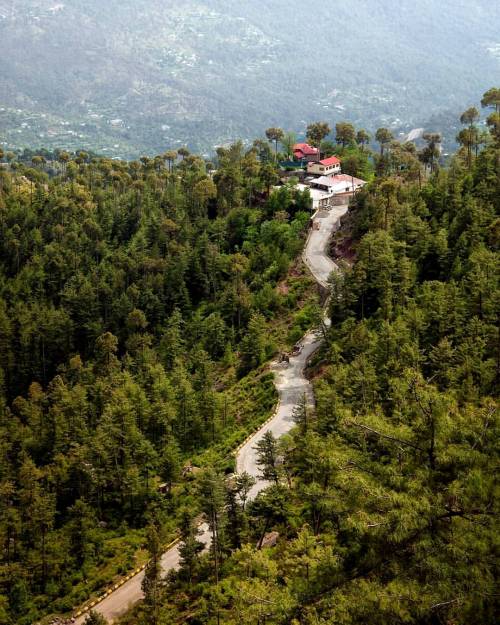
(321, 170)
(342, 198)
(326, 203)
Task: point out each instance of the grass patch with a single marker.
(118, 555)
(250, 402)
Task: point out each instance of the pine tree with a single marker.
(152, 584)
(95, 618)
(189, 551)
(301, 415)
(268, 458)
(211, 493)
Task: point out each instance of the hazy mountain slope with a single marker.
(141, 74)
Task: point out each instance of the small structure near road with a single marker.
(284, 358)
(190, 471)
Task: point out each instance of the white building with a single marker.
(321, 199)
(326, 167)
(341, 183)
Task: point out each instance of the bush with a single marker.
(99, 583)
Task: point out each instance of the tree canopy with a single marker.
(382, 505)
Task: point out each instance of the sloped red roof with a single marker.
(305, 148)
(327, 162)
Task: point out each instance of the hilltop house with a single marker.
(326, 167)
(305, 152)
(329, 191)
(339, 184)
(321, 199)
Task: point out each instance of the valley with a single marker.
(131, 78)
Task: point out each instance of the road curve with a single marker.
(291, 384)
(290, 380)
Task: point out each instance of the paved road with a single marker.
(290, 380)
(130, 593)
(315, 253)
(291, 385)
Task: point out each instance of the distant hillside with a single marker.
(132, 76)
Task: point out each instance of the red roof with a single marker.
(333, 160)
(305, 148)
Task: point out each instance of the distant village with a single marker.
(324, 179)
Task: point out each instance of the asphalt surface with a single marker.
(124, 597)
(315, 253)
(290, 381)
(291, 384)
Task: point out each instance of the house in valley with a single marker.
(326, 167)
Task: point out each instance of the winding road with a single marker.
(291, 384)
(290, 381)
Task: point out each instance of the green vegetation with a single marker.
(138, 303)
(385, 498)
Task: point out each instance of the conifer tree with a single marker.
(152, 584)
(268, 458)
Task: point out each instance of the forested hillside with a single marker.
(127, 77)
(139, 304)
(384, 499)
(134, 300)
